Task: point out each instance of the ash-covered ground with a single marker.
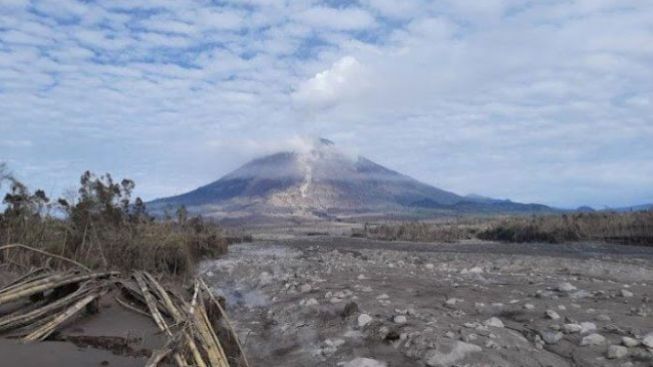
(329, 301)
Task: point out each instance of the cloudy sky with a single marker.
(537, 101)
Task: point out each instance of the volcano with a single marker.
(325, 182)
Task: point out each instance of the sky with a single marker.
(537, 101)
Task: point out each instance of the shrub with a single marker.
(628, 228)
(103, 228)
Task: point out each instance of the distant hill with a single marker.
(324, 182)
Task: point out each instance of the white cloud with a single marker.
(338, 19)
(494, 97)
(344, 80)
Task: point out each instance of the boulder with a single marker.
(365, 362)
(617, 351)
(593, 339)
(448, 352)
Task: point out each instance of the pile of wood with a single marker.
(192, 338)
(40, 302)
(53, 299)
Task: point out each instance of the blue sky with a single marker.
(537, 101)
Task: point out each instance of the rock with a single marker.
(580, 294)
(305, 288)
(363, 320)
(330, 346)
(593, 339)
(617, 351)
(382, 296)
(629, 342)
(364, 362)
(265, 278)
(565, 287)
(648, 340)
(552, 315)
(587, 327)
(545, 294)
(475, 270)
(626, 293)
(571, 328)
(551, 337)
(350, 308)
(493, 321)
(448, 352)
(453, 301)
(429, 266)
(603, 317)
(491, 344)
(311, 302)
(399, 319)
(529, 306)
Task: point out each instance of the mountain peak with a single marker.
(320, 181)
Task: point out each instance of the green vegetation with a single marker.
(103, 228)
(624, 228)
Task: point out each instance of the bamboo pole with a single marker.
(227, 321)
(54, 281)
(43, 332)
(25, 247)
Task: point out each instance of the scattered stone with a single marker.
(552, 315)
(453, 301)
(551, 337)
(529, 306)
(265, 279)
(491, 344)
(571, 328)
(626, 293)
(475, 270)
(331, 346)
(566, 287)
(493, 321)
(429, 266)
(382, 296)
(617, 351)
(629, 342)
(648, 340)
(363, 320)
(593, 339)
(399, 319)
(350, 308)
(603, 317)
(305, 288)
(311, 302)
(448, 352)
(587, 327)
(364, 362)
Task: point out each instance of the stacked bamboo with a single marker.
(45, 300)
(191, 334)
(56, 297)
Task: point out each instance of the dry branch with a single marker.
(62, 258)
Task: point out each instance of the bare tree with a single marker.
(5, 175)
